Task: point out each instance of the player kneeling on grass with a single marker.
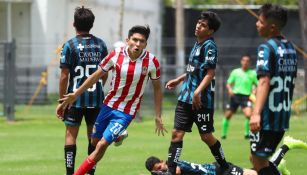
(159, 167)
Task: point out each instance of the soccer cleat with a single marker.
(283, 168)
(121, 138)
(294, 143)
(246, 137)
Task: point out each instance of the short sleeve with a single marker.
(107, 63)
(263, 60)
(154, 72)
(104, 49)
(210, 53)
(231, 78)
(65, 61)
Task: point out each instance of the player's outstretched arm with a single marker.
(68, 99)
(158, 102)
(174, 82)
(261, 96)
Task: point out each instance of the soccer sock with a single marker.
(218, 154)
(225, 124)
(270, 170)
(278, 155)
(70, 155)
(90, 149)
(246, 127)
(174, 153)
(87, 165)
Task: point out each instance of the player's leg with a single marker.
(72, 120)
(182, 123)
(90, 115)
(247, 111)
(225, 123)
(289, 143)
(204, 121)
(230, 110)
(118, 122)
(263, 145)
(246, 105)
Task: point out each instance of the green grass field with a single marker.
(33, 145)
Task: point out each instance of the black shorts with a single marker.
(73, 116)
(264, 143)
(238, 100)
(185, 117)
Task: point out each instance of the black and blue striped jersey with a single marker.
(81, 55)
(277, 59)
(202, 57)
(188, 168)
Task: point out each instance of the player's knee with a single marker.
(94, 141)
(177, 136)
(102, 145)
(228, 114)
(208, 138)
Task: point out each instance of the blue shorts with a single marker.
(110, 123)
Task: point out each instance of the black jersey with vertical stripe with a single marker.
(202, 57)
(188, 168)
(81, 55)
(277, 59)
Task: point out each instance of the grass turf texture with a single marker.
(33, 145)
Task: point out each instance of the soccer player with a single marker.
(158, 167)
(276, 71)
(80, 57)
(240, 85)
(131, 68)
(196, 99)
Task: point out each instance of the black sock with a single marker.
(218, 154)
(90, 149)
(174, 153)
(278, 155)
(270, 170)
(70, 155)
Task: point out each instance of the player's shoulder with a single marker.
(151, 56)
(100, 40)
(69, 42)
(210, 43)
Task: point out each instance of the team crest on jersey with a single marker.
(144, 70)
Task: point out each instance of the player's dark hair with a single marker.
(275, 14)
(83, 19)
(144, 30)
(150, 162)
(214, 21)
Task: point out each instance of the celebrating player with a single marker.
(79, 58)
(240, 85)
(196, 99)
(131, 68)
(276, 71)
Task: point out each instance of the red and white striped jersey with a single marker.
(129, 78)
